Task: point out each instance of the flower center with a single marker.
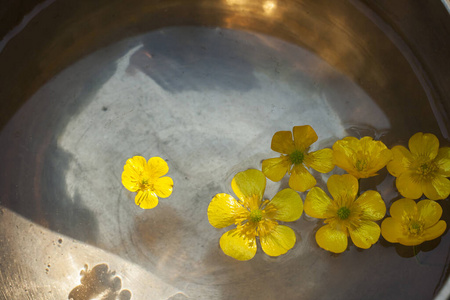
(343, 213)
(255, 215)
(145, 184)
(360, 165)
(297, 157)
(426, 169)
(415, 227)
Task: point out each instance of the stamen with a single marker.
(297, 157)
(255, 215)
(361, 165)
(415, 227)
(343, 213)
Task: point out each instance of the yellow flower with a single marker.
(145, 179)
(295, 156)
(411, 224)
(344, 215)
(361, 158)
(423, 169)
(254, 217)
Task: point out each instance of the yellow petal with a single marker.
(438, 188)
(238, 246)
(400, 162)
(348, 146)
(443, 161)
(344, 162)
(249, 184)
(331, 239)
(304, 136)
(343, 186)
(379, 160)
(372, 206)
(301, 180)
(132, 171)
(279, 241)
(163, 187)
(434, 231)
(407, 186)
(411, 240)
(282, 142)
(391, 230)
(321, 160)
(276, 168)
(430, 212)
(146, 199)
(424, 144)
(135, 164)
(317, 203)
(222, 210)
(403, 207)
(157, 167)
(365, 235)
(377, 155)
(288, 204)
(130, 181)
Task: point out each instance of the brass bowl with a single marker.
(84, 85)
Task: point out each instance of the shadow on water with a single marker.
(33, 177)
(65, 213)
(196, 59)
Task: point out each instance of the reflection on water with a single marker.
(208, 100)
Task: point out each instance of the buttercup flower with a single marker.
(295, 157)
(423, 169)
(361, 158)
(344, 215)
(412, 224)
(254, 217)
(145, 179)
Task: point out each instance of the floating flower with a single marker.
(145, 179)
(423, 169)
(254, 217)
(361, 158)
(344, 215)
(411, 224)
(295, 157)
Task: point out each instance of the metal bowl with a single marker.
(85, 85)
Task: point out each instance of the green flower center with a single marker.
(415, 227)
(145, 184)
(297, 157)
(256, 215)
(426, 169)
(361, 165)
(343, 213)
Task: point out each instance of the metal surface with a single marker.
(208, 100)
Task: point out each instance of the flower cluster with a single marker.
(347, 213)
(423, 169)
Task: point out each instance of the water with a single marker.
(208, 101)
